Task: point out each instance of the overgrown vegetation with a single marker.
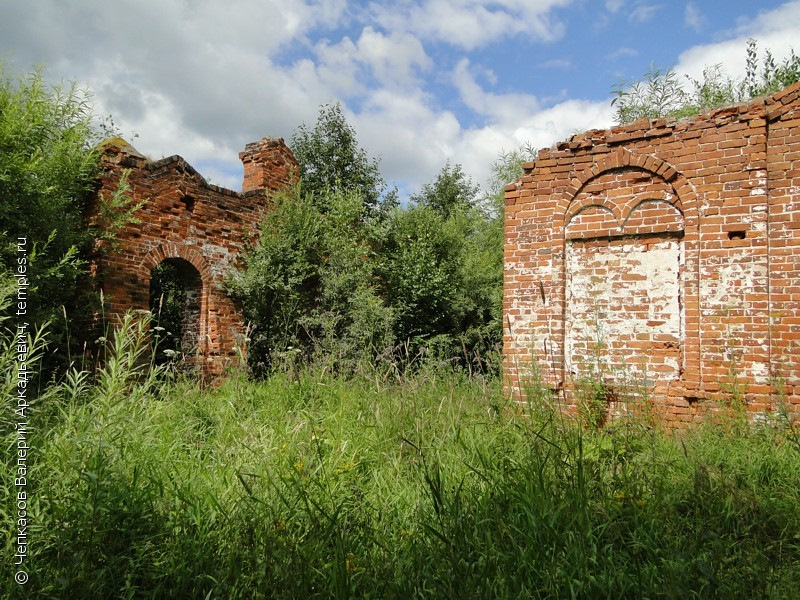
(662, 93)
(308, 485)
(331, 161)
(48, 167)
(310, 286)
(343, 280)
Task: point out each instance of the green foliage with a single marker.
(34, 340)
(507, 168)
(331, 161)
(482, 270)
(716, 89)
(421, 270)
(334, 281)
(313, 486)
(48, 167)
(167, 298)
(661, 93)
(442, 268)
(309, 287)
(484, 255)
(113, 213)
(593, 399)
(771, 77)
(451, 192)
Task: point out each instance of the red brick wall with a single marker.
(184, 217)
(661, 257)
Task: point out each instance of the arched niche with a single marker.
(625, 279)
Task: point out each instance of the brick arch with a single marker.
(637, 200)
(686, 198)
(582, 204)
(182, 216)
(640, 219)
(157, 255)
(596, 218)
(736, 175)
(193, 317)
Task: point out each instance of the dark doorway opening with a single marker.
(175, 298)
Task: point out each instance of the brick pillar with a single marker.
(268, 165)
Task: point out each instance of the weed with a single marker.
(308, 485)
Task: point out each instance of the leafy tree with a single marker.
(452, 191)
(421, 269)
(442, 269)
(309, 288)
(661, 93)
(331, 161)
(48, 167)
(329, 283)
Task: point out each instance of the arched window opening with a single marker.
(175, 298)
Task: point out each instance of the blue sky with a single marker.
(421, 81)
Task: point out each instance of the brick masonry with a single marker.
(662, 256)
(202, 228)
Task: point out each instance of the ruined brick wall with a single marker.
(202, 226)
(663, 259)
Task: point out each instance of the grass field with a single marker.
(309, 486)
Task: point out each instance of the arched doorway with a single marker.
(176, 289)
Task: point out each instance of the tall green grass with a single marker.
(311, 486)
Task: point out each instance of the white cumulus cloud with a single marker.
(777, 30)
(471, 24)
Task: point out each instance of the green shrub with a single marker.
(309, 286)
(662, 94)
(48, 167)
(342, 282)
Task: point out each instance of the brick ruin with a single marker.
(661, 258)
(198, 228)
